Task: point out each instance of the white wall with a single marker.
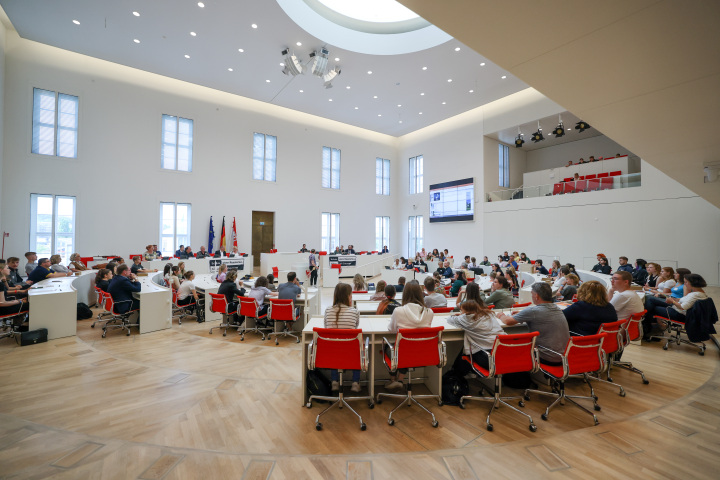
(518, 166)
(559, 155)
(117, 177)
(2, 103)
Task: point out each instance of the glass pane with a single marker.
(64, 247)
(44, 214)
(167, 247)
(43, 139)
(335, 176)
(270, 157)
(167, 212)
(326, 168)
(168, 156)
(183, 219)
(43, 245)
(65, 216)
(185, 143)
(169, 142)
(184, 159)
(386, 177)
(258, 155)
(412, 175)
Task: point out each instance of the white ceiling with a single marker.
(107, 30)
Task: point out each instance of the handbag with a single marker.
(33, 336)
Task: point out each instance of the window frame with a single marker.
(415, 178)
(187, 237)
(503, 165)
(383, 223)
(53, 233)
(176, 145)
(57, 98)
(264, 159)
(415, 241)
(333, 178)
(382, 181)
(329, 239)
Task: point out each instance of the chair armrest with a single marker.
(393, 359)
(443, 354)
(311, 360)
(575, 334)
(545, 349)
(366, 355)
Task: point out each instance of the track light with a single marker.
(582, 126)
(519, 139)
(330, 76)
(319, 62)
(560, 129)
(292, 64)
(538, 136)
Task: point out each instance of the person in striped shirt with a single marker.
(343, 315)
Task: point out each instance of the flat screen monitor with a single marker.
(452, 201)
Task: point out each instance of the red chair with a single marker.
(322, 252)
(442, 309)
(590, 177)
(249, 308)
(616, 173)
(338, 349)
(273, 250)
(602, 175)
(611, 346)
(522, 284)
(574, 299)
(11, 323)
(593, 185)
(283, 311)
(105, 314)
(581, 185)
(569, 179)
(124, 318)
(632, 330)
(85, 260)
(338, 267)
(570, 187)
(360, 291)
(227, 310)
(520, 305)
(447, 289)
(677, 327)
(181, 311)
(510, 354)
(582, 356)
(420, 347)
(558, 189)
(606, 184)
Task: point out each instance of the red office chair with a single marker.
(632, 330)
(558, 189)
(616, 173)
(581, 185)
(612, 345)
(442, 309)
(249, 308)
(606, 184)
(522, 284)
(85, 260)
(220, 305)
(421, 347)
(11, 322)
(338, 349)
(583, 355)
(105, 314)
(590, 177)
(360, 291)
(283, 311)
(593, 184)
(447, 289)
(124, 318)
(676, 328)
(338, 267)
(181, 311)
(570, 187)
(603, 175)
(276, 272)
(520, 305)
(510, 354)
(568, 179)
(574, 299)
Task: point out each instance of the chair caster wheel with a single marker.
(262, 339)
(462, 406)
(371, 405)
(526, 397)
(544, 416)
(597, 408)
(297, 341)
(391, 421)
(378, 401)
(318, 426)
(127, 334)
(701, 353)
(308, 404)
(521, 403)
(276, 342)
(435, 424)
(664, 347)
(596, 420)
(622, 394)
(242, 338)
(103, 335)
(645, 382)
(363, 427)
(533, 427)
(92, 326)
(440, 403)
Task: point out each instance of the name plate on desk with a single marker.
(233, 263)
(343, 260)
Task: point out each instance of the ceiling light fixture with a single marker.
(254, 25)
(369, 72)
(582, 126)
(136, 40)
(136, 14)
(449, 80)
(299, 44)
(241, 50)
(193, 34)
(230, 69)
(538, 136)
(186, 56)
(560, 129)
(76, 22)
(444, 103)
(301, 91)
(348, 87)
(457, 49)
(482, 64)
(201, 5)
(519, 140)
(267, 81)
(504, 77)
(424, 68)
(422, 94)
(292, 64)
(471, 91)
(337, 59)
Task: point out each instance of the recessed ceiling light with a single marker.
(337, 59)
(399, 105)
(136, 14)
(400, 121)
(457, 49)
(201, 5)
(482, 64)
(369, 72)
(299, 44)
(254, 25)
(449, 80)
(420, 113)
(424, 68)
(356, 108)
(329, 99)
(301, 91)
(422, 94)
(504, 77)
(374, 96)
(471, 91)
(230, 69)
(76, 22)
(136, 40)
(240, 50)
(348, 87)
(267, 81)
(282, 64)
(444, 103)
(193, 34)
(379, 115)
(187, 56)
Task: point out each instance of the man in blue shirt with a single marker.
(624, 267)
(290, 291)
(121, 289)
(42, 271)
(180, 251)
(540, 268)
(447, 272)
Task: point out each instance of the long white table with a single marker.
(53, 305)
(155, 304)
(369, 307)
(244, 265)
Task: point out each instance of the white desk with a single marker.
(155, 304)
(365, 265)
(205, 283)
(201, 265)
(53, 305)
(369, 307)
(391, 276)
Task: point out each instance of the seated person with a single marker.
(570, 163)
(385, 249)
(438, 284)
(540, 268)
(677, 308)
(56, 266)
(401, 284)
(472, 264)
(458, 283)
(149, 254)
(481, 327)
(187, 294)
(623, 261)
(546, 318)
(582, 160)
(202, 253)
(173, 277)
(121, 290)
(397, 265)
(387, 306)
(379, 294)
(555, 268)
(432, 298)
(512, 279)
(504, 257)
(513, 262)
(592, 309)
(500, 295)
(229, 288)
(102, 279)
(602, 265)
(625, 301)
(359, 284)
(42, 271)
(290, 291)
(567, 291)
(14, 279)
(664, 284)
(259, 292)
(344, 316)
(485, 262)
(447, 271)
(9, 306)
(181, 271)
(642, 275)
(222, 273)
(180, 251)
(188, 253)
(271, 282)
(576, 177)
(220, 252)
(235, 252)
(523, 258)
(465, 263)
(350, 250)
(651, 302)
(138, 268)
(303, 249)
(112, 266)
(76, 263)
(31, 262)
(592, 159)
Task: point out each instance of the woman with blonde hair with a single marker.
(359, 283)
(343, 315)
(222, 273)
(592, 309)
(76, 263)
(379, 291)
(56, 266)
(664, 283)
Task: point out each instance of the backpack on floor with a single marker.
(454, 386)
(317, 384)
(83, 311)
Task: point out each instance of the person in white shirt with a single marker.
(664, 282)
(625, 301)
(677, 307)
(187, 292)
(561, 280)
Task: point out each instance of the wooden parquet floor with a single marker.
(181, 403)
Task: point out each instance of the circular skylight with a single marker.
(371, 10)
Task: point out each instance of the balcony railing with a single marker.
(565, 188)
